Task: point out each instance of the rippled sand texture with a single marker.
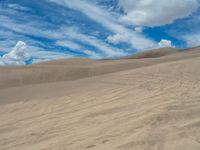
(125, 104)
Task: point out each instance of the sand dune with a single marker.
(154, 53)
(142, 104)
(73, 69)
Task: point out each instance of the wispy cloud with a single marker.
(103, 17)
(192, 40)
(108, 51)
(64, 36)
(17, 7)
(39, 55)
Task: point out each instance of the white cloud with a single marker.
(132, 40)
(92, 54)
(192, 40)
(69, 44)
(106, 49)
(156, 12)
(108, 20)
(74, 46)
(165, 43)
(17, 56)
(18, 7)
(61, 35)
(78, 47)
(138, 29)
(117, 38)
(21, 53)
(40, 56)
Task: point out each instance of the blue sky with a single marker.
(34, 31)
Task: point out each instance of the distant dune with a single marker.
(149, 101)
(154, 53)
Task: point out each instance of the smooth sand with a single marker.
(150, 103)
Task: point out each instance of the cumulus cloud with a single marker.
(156, 12)
(165, 43)
(17, 56)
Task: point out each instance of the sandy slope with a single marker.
(155, 106)
(73, 69)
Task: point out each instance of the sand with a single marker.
(148, 103)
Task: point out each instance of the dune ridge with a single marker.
(78, 68)
(154, 53)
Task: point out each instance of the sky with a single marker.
(32, 31)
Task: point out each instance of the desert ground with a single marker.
(149, 101)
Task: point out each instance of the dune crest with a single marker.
(154, 53)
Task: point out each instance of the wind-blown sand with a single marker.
(148, 103)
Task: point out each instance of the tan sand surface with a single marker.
(125, 104)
